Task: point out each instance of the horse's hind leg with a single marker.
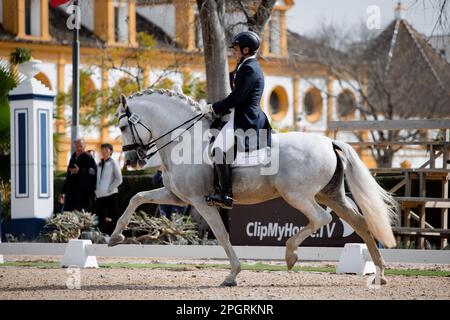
(337, 201)
(317, 217)
(212, 217)
(158, 196)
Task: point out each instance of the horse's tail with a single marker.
(377, 205)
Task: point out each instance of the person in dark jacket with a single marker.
(79, 187)
(247, 83)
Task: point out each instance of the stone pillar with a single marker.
(296, 93)
(283, 34)
(60, 122)
(185, 26)
(330, 105)
(31, 119)
(104, 130)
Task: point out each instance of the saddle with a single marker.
(247, 158)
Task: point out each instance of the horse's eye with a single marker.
(122, 128)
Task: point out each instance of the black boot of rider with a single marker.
(224, 198)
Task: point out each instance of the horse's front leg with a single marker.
(212, 217)
(158, 196)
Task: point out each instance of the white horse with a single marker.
(310, 172)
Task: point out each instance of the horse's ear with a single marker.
(123, 101)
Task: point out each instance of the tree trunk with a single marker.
(385, 159)
(214, 48)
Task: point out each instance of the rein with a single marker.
(134, 119)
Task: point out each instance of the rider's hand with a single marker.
(208, 110)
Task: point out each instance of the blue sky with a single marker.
(307, 15)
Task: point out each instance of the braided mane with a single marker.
(168, 93)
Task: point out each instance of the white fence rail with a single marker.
(216, 252)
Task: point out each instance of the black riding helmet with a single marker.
(247, 39)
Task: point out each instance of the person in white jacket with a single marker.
(109, 178)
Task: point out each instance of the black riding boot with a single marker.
(224, 198)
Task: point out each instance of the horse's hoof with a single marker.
(379, 281)
(229, 283)
(291, 259)
(115, 240)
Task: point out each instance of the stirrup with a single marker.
(222, 201)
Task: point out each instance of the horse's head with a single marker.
(136, 135)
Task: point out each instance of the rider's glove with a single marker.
(209, 110)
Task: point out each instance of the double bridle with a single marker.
(138, 145)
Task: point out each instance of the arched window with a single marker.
(313, 104)
(44, 79)
(278, 103)
(346, 105)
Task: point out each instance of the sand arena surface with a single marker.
(196, 283)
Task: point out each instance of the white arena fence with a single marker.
(353, 258)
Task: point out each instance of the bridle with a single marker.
(138, 145)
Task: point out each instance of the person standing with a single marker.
(78, 190)
(109, 178)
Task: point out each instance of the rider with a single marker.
(247, 82)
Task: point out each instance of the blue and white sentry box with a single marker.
(31, 153)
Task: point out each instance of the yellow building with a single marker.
(299, 94)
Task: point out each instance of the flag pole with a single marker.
(75, 77)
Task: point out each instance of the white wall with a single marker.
(122, 21)
(36, 18)
(176, 77)
(305, 85)
(50, 70)
(352, 86)
(87, 14)
(286, 82)
(161, 15)
(116, 75)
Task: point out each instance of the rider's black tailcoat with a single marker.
(245, 98)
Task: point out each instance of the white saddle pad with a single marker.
(252, 158)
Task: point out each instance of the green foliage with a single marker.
(164, 83)
(9, 79)
(89, 96)
(440, 136)
(5, 194)
(145, 40)
(195, 88)
(20, 55)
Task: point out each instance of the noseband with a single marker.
(138, 145)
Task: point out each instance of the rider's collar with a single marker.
(248, 58)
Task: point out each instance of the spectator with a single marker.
(109, 178)
(166, 210)
(78, 189)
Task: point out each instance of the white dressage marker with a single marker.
(354, 259)
(76, 255)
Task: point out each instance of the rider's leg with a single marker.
(224, 173)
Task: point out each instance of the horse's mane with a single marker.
(168, 93)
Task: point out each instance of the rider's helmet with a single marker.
(247, 39)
